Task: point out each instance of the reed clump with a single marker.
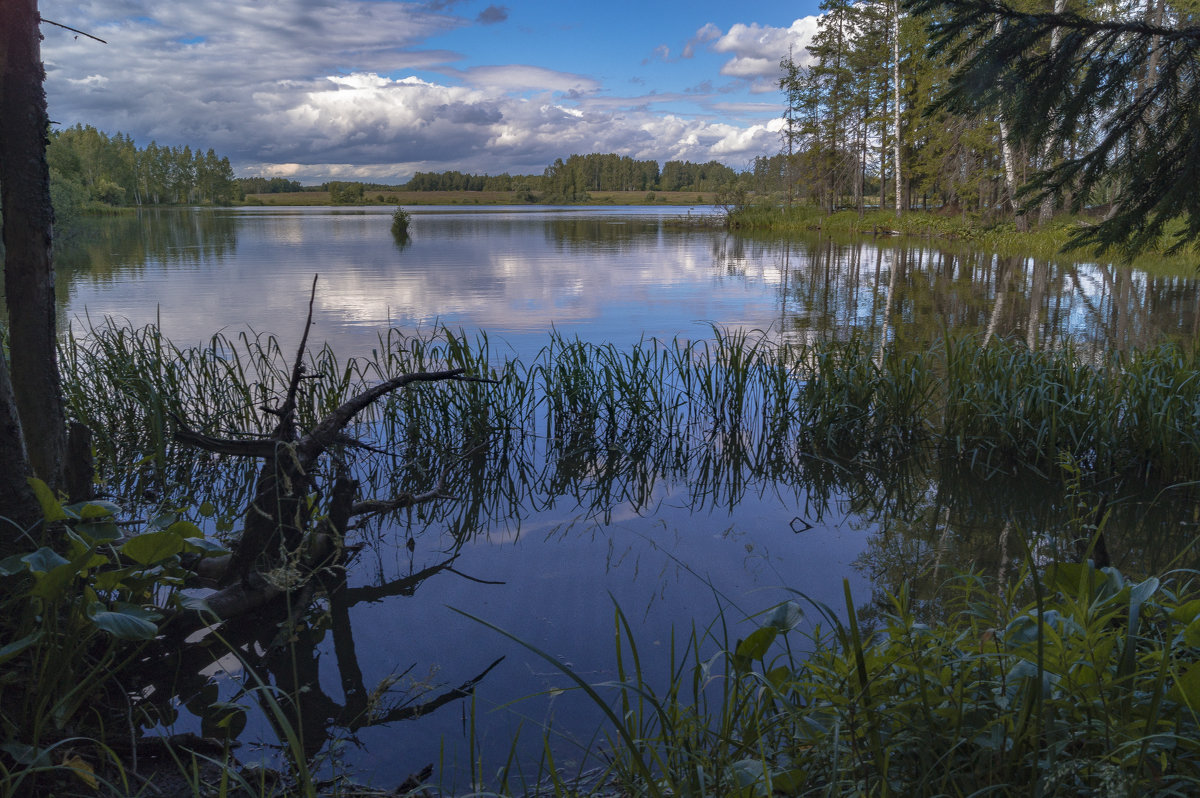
(401, 219)
(716, 414)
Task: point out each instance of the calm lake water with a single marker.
(552, 576)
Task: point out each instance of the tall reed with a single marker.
(600, 423)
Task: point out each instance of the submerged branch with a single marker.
(409, 712)
(326, 432)
(238, 448)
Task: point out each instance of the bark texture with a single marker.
(17, 504)
(27, 231)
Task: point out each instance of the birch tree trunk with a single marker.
(1046, 209)
(28, 226)
(896, 99)
(1010, 167)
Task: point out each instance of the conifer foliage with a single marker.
(1112, 89)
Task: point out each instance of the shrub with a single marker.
(400, 220)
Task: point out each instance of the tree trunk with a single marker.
(1010, 167)
(1046, 210)
(17, 504)
(896, 97)
(28, 226)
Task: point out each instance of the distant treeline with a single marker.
(564, 181)
(89, 168)
(572, 179)
(458, 181)
(268, 185)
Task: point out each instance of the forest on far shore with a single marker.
(92, 171)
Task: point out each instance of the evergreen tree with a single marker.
(1129, 77)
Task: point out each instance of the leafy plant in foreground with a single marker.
(75, 616)
(1090, 688)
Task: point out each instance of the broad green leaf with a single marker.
(1142, 591)
(756, 645)
(204, 546)
(137, 611)
(1191, 635)
(126, 623)
(162, 521)
(1066, 577)
(779, 676)
(14, 564)
(789, 782)
(1186, 613)
(786, 616)
(91, 510)
(748, 776)
(44, 560)
(114, 579)
(52, 584)
(1114, 580)
(152, 547)
(207, 509)
(1186, 689)
(185, 529)
(17, 646)
(52, 508)
(99, 532)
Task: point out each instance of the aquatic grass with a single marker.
(1089, 687)
(736, 412)
(601, 425)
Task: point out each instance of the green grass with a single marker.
(1049, 242)
(1068, 681)
(595, 421)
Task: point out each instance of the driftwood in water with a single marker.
(276, 527)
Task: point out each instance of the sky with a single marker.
(374, 90)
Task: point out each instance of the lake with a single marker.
(678, 553)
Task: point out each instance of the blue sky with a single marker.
(376, 89)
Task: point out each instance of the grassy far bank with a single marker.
(678, 198)
(1002, 237)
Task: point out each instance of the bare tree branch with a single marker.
(462, 691)
(288, 409)
(239, 448)
(73, 30)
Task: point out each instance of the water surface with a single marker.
(554, 575)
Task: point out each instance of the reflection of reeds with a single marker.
(603, 424)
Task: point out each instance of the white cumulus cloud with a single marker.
(758, 49)
(314, 89)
